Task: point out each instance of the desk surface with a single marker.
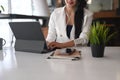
(31, 66)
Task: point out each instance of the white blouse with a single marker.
(57, 27)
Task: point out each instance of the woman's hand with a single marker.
(53, 45)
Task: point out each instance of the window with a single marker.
(21, 7)
(100, 5)
(14, 7)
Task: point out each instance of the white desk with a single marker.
(31, 66)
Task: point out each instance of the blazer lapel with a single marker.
(61, 21)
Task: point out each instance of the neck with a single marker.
(70, 9)
(69, 15)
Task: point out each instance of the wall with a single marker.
(98, 5)
(108, 13)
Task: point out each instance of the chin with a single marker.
(71, 6)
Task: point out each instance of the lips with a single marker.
(71, 3)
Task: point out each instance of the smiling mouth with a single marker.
(70, 3)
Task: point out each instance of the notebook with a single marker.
(29, 37)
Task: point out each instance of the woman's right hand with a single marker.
(54, 45)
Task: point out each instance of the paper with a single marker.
(76, 55)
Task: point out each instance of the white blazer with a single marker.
(57, 27)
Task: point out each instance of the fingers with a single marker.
(52, 45)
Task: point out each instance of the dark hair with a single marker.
(62, 2)
(79, 16)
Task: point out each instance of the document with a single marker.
(75, 55)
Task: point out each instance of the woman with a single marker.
(69, 25)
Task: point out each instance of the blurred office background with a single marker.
(23, 7)
(105, 9)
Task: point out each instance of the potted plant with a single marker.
(99, 36)
(1, 8)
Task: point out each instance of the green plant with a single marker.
(2, 8)
(100, 34)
